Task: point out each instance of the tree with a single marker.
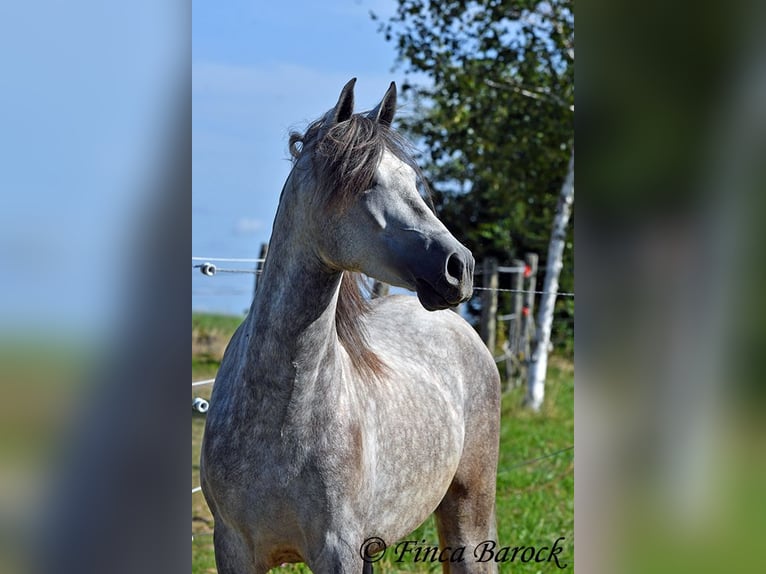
(539, 361)
(495, 119)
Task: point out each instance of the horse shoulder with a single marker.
(402, 317)
(401, 329)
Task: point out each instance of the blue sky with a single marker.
(261, 69)
(84, 95)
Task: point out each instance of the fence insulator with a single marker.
(200, 405)
(207, 269)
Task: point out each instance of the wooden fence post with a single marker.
(513, 366)
(514, 335)
(489, 280)
(259, 266)
(528, 310)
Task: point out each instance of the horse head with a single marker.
(372, 217)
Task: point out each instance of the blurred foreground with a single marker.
(670, 433)
(95, 227)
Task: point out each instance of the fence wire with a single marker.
(210, 270)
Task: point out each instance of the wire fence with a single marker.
(209, 269)
(205, 382)
(229, 259)
(501, 290)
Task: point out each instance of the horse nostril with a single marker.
(455, 266)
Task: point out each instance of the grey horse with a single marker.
(338, 424)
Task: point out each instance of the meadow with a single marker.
(535, 480)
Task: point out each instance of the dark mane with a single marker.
(345, 156)
(343, 160)
(352, 306)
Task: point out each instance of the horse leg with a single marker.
(337, 556)
(335, 564)
(465, 518)
(232, 555)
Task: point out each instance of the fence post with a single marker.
(514, 336)
(528, 310)
(379, 289)
(513, 366)
(259, 266)
(489, 280)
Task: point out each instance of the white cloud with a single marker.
(248, 226)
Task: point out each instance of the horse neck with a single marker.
(293, 335)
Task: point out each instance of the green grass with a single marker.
(535, 501)
(204, 368)
(210, 335)
(210, 322)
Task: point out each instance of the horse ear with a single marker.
(384, 112)
(345, 106)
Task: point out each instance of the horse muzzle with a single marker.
(449, 284)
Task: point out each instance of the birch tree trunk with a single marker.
(538, 364)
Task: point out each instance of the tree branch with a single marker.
(534, 93)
